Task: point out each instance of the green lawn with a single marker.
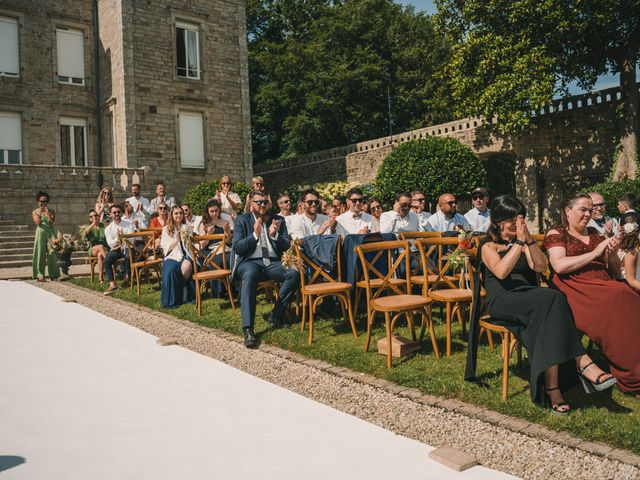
(609, 417)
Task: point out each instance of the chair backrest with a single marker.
(396, 252)
(148, 249)
(317, 274)
(416, 235)
(436, 262)
(203, 259)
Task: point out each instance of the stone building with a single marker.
(116, 92)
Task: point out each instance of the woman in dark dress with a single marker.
(539, 317)
(212, 223)
(585, 266)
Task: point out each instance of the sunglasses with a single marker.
(43, 201)
(261, 203)
(452, 203)
(477, 197)
(225, 183)
(258, 184)
(285, 201)
(405, 206)
(376, 207)
(312, 202)
(419, 199)
(162, 208)
(598, 205)
(356, 200)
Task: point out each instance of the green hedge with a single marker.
(434, 165)
(611, 191)
(197, 196)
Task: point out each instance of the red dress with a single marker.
(604, 309)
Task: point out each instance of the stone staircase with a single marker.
(16, 245)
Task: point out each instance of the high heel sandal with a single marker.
(599, 385)
(555, 408)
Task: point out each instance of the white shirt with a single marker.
(112, 230)
(392, 222)
(600, 228)
(287, 220)
(153, 205)
(172, 246)
(225, 205)
(134, 202)
(350, 223)
(422, 220)
(194, 223)
(438, 223)
(302, 226)
(478, 220)
(265, 238)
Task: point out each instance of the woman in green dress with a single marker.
(44, 218)
(94, 235)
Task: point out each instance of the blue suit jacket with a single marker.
(244, 243)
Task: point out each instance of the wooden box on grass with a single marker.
(400, 346)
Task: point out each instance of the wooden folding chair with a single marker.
(93, 261)
(205, 269)
(141, 259)
(320, 285)
(376, 283)
(441, 284)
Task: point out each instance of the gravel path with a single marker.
(494, 446)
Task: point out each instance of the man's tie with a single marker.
(264, 242)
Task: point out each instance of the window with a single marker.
(191, 140)
(9, 64)
(187, 52)
(70, 47)
(10, 138)
(73, 141)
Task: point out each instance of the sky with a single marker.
(605, 81)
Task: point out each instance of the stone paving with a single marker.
(497, 441)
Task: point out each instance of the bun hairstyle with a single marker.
(629, 232)
(504, 207)
(569, 202)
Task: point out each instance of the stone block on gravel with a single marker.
(166, 341)
(470, 410)
(336, 370)
(449, 404)
(624, 456)
(427, 399)
(566, 439)
(595, 448)
(491, 417)
(455, 459)
(411, 393)
(538, 431)
(514, 424)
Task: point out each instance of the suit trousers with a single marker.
(110, 260)
(251, 272)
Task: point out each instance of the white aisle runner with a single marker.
(83, 396)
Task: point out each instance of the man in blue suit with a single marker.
(259, 240)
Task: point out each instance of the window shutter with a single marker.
(9, 62)
(70, 53)
(191, 140)
(10, 131)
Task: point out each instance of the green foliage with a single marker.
(197, 196)
(319, 73)
(501, 179)
(434, 165)
(327, 190)
(611, 191)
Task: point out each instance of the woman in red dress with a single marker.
(585, 266)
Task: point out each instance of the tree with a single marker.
(319, 73)
(512, 57)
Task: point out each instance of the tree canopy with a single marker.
(320, 70)
(513, 56)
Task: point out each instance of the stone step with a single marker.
(9, 244)
(13, 227)
(7, 222)
(28, 256)
(18, 249)
(27, 263)
(26, 237)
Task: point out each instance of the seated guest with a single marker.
(585, 266)
(257, 185)
(340, 204)
(401, 218)
(310, 222)
(160, 220)
(213, 224)
(627, 202)
(177, 284)
(103, 204)
(162, 198)
(375, 210)
(93, 233)
(355, 220)
(628, 253)
(259, 240)
(284, 204)
(478, 216)
(418, 203)
(138, 219)
(229, 201)
(538, 317)
(605, 226)
(190, 219)
(138, 202)
(117, 248)
(447, 219)
(365, 205)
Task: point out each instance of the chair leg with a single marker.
(368, 340)
(228, 284)
(137, 281)
(304, 312)
(92, 267)
(411, 324)
(505, 364)
(311, 309)
(198, 299)
(489, 337)
(448, 323)
(432, 331)
(356, 306)
(387, 321)
(352, 321)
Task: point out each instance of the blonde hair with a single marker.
(171, 227)
(257, 179)
(225, 177)
(105, 189)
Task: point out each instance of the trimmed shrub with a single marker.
(611, 191)
(434, 165)
(327, 190)
(197, 196)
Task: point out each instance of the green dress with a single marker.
(95, 236)
(41, 257)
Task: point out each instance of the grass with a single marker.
(610, 417)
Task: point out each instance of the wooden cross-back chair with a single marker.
(320, 285)
(141, 259)
(376, 283)
(93, 261)
(205, 269)
(441, 283)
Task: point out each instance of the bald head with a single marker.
(448, 204)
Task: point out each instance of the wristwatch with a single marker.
(519, 242)
(531, 242)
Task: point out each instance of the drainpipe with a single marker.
(96, 55)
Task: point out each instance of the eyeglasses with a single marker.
(258, 184)
(225, 183)
(376, 207)
(477, 197)
(261, 203)
(356, 200)
(312, 202)
(451, 203)
(419, 199)
(285, 201)
(162, 208)
(43, 201)
(598, 205)
(405, 206)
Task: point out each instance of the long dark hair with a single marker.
(569, 202)
(629, 241)
(504, 207)
(214, 202)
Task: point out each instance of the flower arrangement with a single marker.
(457, 257)
(186, 235)
(290, 259)
(62, 242)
